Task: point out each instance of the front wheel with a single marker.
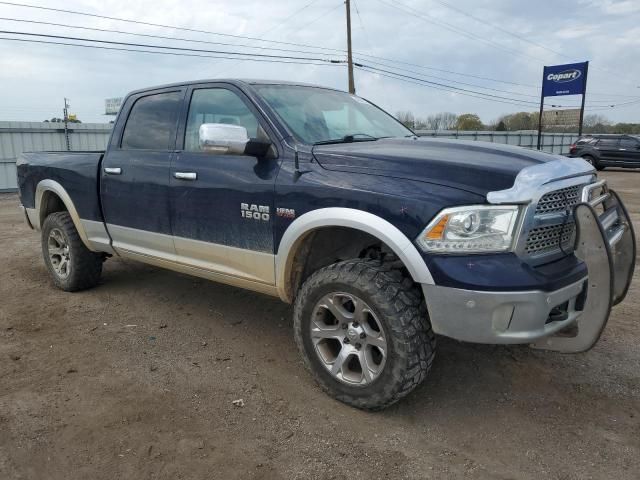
(71, 264)
(363, 331)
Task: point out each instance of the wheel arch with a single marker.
(48, 193)
(296, 236)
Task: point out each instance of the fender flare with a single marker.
(54, 187)
(349, 218)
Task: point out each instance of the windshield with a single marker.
(319, 115)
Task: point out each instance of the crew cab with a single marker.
(379, 238)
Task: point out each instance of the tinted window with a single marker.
(217, 105)
(629, 143)
(152, 122)
(608, 143)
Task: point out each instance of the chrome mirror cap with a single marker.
(222, 138)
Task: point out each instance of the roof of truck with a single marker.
(233, 81)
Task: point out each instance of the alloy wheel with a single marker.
(59, 253)
(348, 338)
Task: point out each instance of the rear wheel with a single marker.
(71, 264)
(363, 331)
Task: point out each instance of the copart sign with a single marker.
(570, 79)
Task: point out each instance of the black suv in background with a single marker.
(608, 150)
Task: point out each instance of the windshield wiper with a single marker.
(349, 139)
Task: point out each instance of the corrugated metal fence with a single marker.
(18, 137)
(551, 142)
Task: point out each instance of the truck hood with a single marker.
(477, 167)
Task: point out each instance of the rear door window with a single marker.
(608, 143)
(152, 122)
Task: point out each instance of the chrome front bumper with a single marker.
(605, 243)
(499, 317)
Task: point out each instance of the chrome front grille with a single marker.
(559, 200)
(551, 229)
(550, 239)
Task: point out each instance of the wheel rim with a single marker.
(348, 338)
(588, 159)
(59, 254)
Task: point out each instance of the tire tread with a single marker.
(401, 302)
(87, 265)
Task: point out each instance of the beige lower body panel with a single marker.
(220, 263)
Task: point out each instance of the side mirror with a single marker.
(222, 138)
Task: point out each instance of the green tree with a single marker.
(469, 121)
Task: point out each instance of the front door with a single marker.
(222, 204)
(608, 148)
(135, 176)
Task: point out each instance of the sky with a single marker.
(498, 47)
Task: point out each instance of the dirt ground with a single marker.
(135, 379)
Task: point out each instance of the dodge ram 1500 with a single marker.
(379, 238)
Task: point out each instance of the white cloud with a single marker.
(36, 77)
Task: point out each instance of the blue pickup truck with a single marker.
(381, 240)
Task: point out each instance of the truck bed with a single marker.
(77, 172)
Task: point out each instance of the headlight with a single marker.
(472, 229)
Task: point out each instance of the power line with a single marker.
(364, 30)
(209, 42)
(289, 17)
(160, 25)
(421, 83)
(448, 26)
(319, 17)
(164, 47)
(448, 87)
(452, 81)
(304, 26)
(75, 12)
(498, 27)
(476, 94)
(253, 56)
(162, 37)
(177, 54)
(392, 75)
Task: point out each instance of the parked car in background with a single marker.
(608, 150)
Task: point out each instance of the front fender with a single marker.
(349, 218)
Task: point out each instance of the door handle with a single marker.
(112, 170)
(185, 175)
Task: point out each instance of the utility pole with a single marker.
(584, 96)
(65, 111)
(352, 86)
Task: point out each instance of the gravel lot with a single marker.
(135, 379)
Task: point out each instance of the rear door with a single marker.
(135, 174)
(608, 148)
(222, 204)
